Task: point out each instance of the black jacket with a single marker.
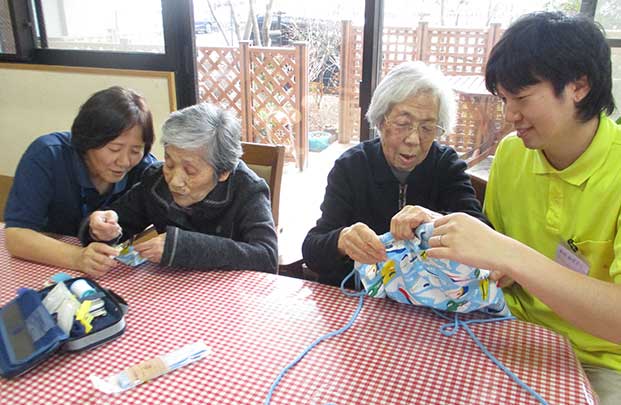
(232, 228)
(362, 188)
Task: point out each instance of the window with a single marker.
(16, 41)
(139, 34)
(455, 37)
(616, 80)
(608, 13)
(286, 92)
(113, 25)
(7, 39)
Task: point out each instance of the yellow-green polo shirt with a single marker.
(529, 200)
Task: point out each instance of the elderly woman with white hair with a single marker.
(394, 182)
(210, 210)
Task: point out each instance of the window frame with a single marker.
(180, 49)
(23, 38)
(178, 56)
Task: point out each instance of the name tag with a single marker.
(565, 256)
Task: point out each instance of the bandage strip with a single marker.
(149, 369)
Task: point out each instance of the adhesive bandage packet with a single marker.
(150, 369)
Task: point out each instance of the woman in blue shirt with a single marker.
(64, 176)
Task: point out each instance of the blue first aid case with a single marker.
(29, 333)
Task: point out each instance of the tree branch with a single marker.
(267, 23)
(213, 14)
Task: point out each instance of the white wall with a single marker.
(35, 100)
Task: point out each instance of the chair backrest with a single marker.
(479, 184)
(5, 186)
(267, 161)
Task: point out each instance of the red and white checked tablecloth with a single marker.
(257, 323)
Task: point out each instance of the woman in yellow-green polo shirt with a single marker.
(554, 192)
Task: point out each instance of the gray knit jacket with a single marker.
(232, 228)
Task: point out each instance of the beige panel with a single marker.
(40, 99)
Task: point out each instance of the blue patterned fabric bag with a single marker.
(130, 257)
(409, 276)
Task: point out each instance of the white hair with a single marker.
(409, 79)
(208, 127)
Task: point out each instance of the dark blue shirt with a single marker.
(52, 190)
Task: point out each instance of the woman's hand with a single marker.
(153, 249)
(361, 244)
(467, 240)
(104, 225)
(404, 222)
(501, 279)
(96, 259)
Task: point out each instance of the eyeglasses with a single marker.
(403, 127)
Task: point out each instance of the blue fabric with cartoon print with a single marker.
(409, 276)
(130, 257)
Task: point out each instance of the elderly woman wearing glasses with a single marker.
(394, 182)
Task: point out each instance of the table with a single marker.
(257, 323)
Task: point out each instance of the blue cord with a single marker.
(327, 336)
(449, 329)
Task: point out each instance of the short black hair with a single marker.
(554, 47)
(106, 114)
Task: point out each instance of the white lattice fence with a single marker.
(267, 87)
(219, 77)
(455, 51)
(398, 45)
(273, 79)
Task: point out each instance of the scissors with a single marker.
(140, 237)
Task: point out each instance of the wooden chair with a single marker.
(5, 186)
(479, 184)
(298, 269)
(267, 161)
